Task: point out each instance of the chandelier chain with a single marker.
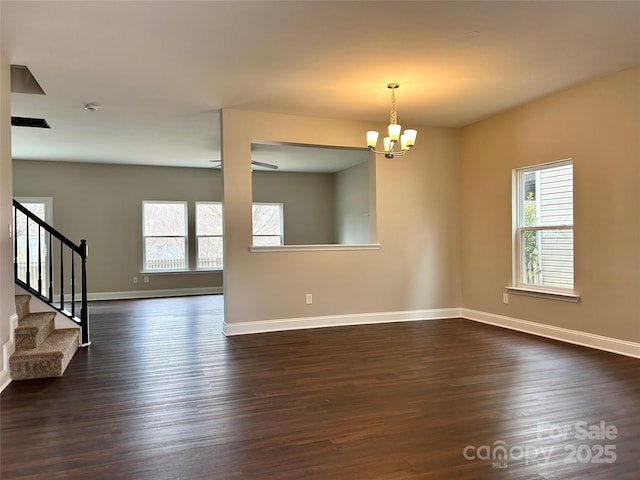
(393, 117)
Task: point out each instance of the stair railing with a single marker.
(55, 263)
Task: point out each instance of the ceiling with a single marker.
(163, 70)
(306, 158)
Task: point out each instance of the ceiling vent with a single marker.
(22, 81)
(29, 122)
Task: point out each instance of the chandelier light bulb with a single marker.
(372, 138)
(394, 132)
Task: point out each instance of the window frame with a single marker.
(281, 226)
(45, 240)
(185, 236)
(518, 283)
(197, 237)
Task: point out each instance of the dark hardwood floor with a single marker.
(162, 395)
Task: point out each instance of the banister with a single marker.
(48, 267)
(47, 227)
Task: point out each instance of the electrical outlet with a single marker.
(146, 279)
(308, 299)
(135, 279)
(505, 297)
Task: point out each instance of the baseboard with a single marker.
(608, 344)
(599, 342)
(7, 350)
(263, 326)
(173, 292)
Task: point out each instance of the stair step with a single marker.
(34, 329)
(50, 359)
(22, 305)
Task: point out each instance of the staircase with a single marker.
(41, 350)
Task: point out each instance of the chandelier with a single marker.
(406, 139)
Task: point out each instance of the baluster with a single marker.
(61, 275)
(84, 314)
(39, 259)
(73, 284)
(28, 254)
(50, 277)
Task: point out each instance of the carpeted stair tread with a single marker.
(55, 343)
(50, 359)
(22, 305)
(33, 329)
(22, 299)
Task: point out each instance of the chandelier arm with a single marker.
(390, 152)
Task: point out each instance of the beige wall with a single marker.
(7, 303)
(307, 200)
(598, 125)
(352, 194)
(103, 204)
(417, 217)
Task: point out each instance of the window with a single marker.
(268, 226)
(165, 226)
(209, 235)
(543, 253)
(29, 232)
(164, 231)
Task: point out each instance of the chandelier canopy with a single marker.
(406, 139)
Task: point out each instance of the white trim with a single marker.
(315, 248)
(173, 292)
(198, 271)
(263, 326)
(599, 342)
(554, 295)
(546, 165)
(7, 350)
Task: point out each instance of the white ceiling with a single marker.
(162, 70)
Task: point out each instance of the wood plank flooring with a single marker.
(163, 395)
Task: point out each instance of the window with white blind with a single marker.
(164, 231)
(543, 243)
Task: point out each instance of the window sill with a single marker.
(179, 272)
(562, 296)
(314, 248)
